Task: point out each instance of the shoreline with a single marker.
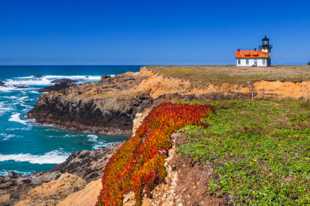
(82, 129)
(86, 165)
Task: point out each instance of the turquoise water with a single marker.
(27, 147)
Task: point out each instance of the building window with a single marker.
(247, 62)
(239, 61)
(264, 62)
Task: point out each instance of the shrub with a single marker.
(259, 151)
(138, 165)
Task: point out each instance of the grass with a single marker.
(202, 75)
(260, 151)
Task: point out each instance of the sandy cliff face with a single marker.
(158, 85)
(84, 197)
(48, 194)
(279, 89)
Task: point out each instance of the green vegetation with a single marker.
(260, 151)
(200, 75)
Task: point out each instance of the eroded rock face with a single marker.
(87, 164)
(186, 182)
(108, 107)
(50, 193)
(84, 197)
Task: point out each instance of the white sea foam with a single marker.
(97, 143)
(4, 108)
(6, 172)
(92, 138)
(16, 118)
(6, 137)
(22, 99)
(53, 157)
(11, 97)
(103, 144)
(19, 129)
(47, 80)
(7, 89)
(75, 77)
(28, 82)
(34, 92)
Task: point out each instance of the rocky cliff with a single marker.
(107, 107)
(117, 104)
(110, 106)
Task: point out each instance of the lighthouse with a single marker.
(266, 47)
(255, 58)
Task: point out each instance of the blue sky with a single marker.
(150, 32)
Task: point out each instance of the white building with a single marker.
(255, 58)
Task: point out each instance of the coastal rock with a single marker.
(44, 177)
(59, 84)
(49, 194)
(87, 165)
(2, 84)
(20, 86)
(107, 107)
(84, 197)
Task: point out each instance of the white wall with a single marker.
(262, 62)
(252, 62)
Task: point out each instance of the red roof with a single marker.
(251, 54)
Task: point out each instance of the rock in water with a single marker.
(59, 84)
(63, 81)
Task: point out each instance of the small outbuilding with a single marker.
(255, 58)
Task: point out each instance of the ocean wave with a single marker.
(18, 129)
(75, 77)
(6, 172)
(97, 143)
(53, 157)
(104, 144)
(7, 89)
(48, 79)
(92, 138)
(6, 137)
(4, 108)
(16, 118)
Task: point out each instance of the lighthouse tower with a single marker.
(266, 47)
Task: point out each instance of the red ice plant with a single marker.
(138, 165)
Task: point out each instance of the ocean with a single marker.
(26, 147)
